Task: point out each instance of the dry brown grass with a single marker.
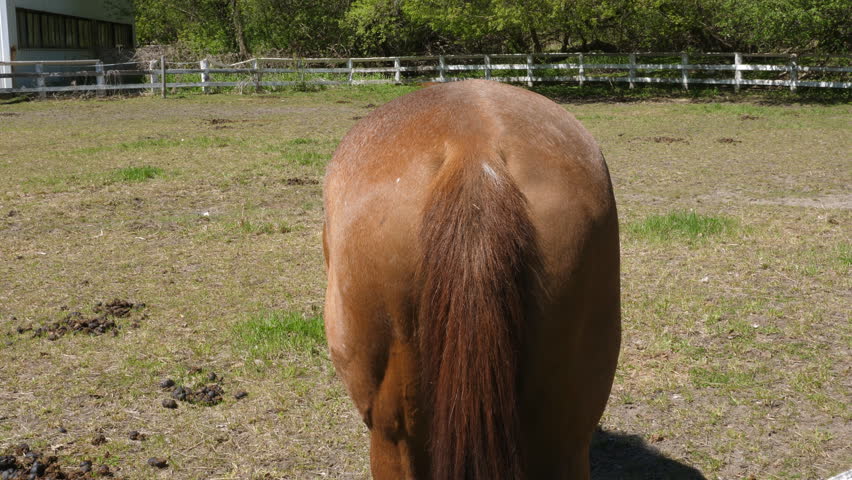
(736, 344)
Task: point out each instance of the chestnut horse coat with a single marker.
(472, 309)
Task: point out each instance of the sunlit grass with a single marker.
(137, 174)
(268, 334)
(689, 225)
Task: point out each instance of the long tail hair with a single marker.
(478, 245)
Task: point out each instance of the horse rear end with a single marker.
(472, 309)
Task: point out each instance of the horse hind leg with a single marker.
(379, 370)
(397, 436)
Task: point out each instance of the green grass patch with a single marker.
(202, 141)
(378, 93)
(716, 377)
(755, 111)
(149, 143)
(844, 254)
(302, 141)
(137, 174)
(307, 152)
(569, 92)
(156, 143)
(689, 225)
(249, 227)
(266, 335)
(14, 100)
(307, 158)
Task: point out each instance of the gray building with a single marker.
(64, 30)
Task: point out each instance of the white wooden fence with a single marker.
(682, 69)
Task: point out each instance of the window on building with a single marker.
(123, 35)
(51, 30)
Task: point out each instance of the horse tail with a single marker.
(478, 246)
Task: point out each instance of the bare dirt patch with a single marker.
(669, 140)
(219, 121)
(830, 201)
(666, 140)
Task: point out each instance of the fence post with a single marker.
(684, 73)
(152, 77)
(349, 64)
(99, 67)
(441, 66)
(582, 71)
(631, 77)
(163, 74)
(487, 67)
(205, 75)
(529, 70)
(258, 76)
(11, 81)
(738, 74)
(39, 68)
(396, 70)
(794, 72)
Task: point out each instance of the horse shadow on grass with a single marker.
(622, 456)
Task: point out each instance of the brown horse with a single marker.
(472, 310)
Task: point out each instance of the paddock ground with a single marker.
(208, 210)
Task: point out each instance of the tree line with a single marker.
(411, 27)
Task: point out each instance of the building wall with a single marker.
(118, 11)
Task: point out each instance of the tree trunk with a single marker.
(566, 40)
(238, 29)
(535, 40)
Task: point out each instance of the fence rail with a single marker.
(657, 68)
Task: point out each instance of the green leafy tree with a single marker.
(382, 27)
(396, 27)
(785, 25)
(486, 24)
(198, 24)
(297, 27)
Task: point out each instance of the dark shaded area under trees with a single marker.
(410, 27)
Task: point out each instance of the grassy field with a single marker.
(208, 210)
